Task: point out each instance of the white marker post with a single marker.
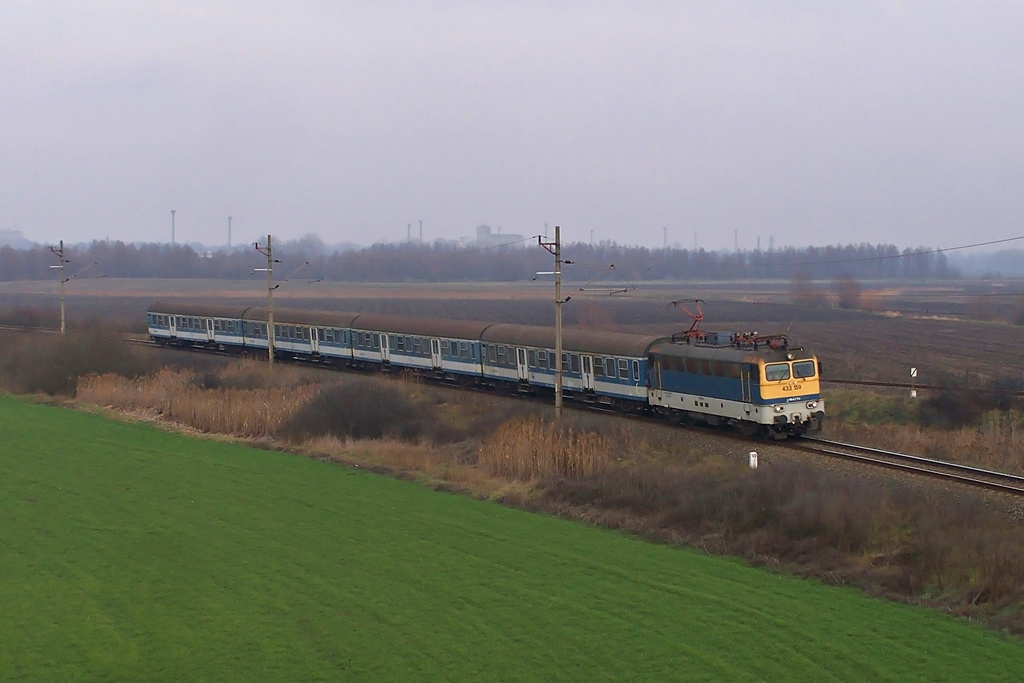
(913, 381)
(753, 460)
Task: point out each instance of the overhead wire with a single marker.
(609, 290)
(499, 246)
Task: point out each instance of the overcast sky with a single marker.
(809, 122)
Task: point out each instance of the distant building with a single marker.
(486, 237)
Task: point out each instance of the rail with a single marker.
(943, 469)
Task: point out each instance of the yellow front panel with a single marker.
(789, 386)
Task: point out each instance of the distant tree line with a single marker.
(413, 262)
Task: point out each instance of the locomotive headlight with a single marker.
(779, 408)
(812, 405)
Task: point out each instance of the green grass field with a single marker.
(131, 553)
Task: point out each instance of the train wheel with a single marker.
(748, 429)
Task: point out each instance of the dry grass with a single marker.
(178, 396)
(389, 453)
(255, 374)
(534, 449)
(449, 468)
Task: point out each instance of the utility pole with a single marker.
(421, 232)
(555, 248)
(63, 261)
(229, 233)
(64, 279)
(172, 226)
(269, 252)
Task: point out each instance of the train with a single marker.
(758, 384)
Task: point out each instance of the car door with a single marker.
(588, 373)
(314, 339)
(522, 368)
(435, 353)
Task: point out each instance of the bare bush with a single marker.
(52, 364)
(29, 316)
(781, 510)
(369, 408)
(963, 553)
(951, 409)
(847, 291)
(804, 292)
(1017, 316)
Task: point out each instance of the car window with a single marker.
(774, 372)
(804, 368)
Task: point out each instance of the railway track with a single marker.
(21, 328)
(942, 469)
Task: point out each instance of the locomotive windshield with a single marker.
(774, 372)
(804, 368)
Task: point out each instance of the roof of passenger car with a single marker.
(417, 325)
(585, 341)
(573, 340)
(282, 316)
